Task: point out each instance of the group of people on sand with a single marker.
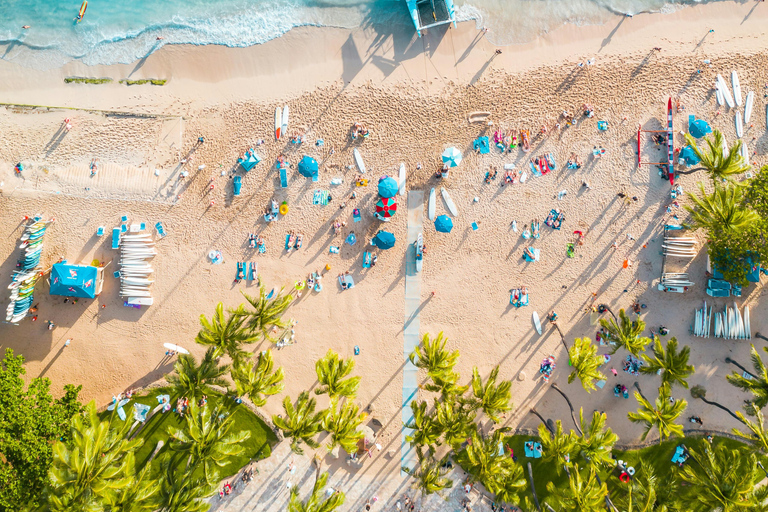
(359, 131)
(507, 139)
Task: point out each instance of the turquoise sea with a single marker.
(120, 31)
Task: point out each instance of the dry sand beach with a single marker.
(414, 95)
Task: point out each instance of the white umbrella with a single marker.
(452, 157)
(176, 348)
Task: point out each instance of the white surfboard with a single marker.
(739, 126)
(719, 95)
(736, 88)
(536, 322)
(359, 160)
(747, 326)
(748, 107)
(744, 152)
(431, 206)
(278, 121)
(449, 202)
(401, 190)
(523, 176)
(726, 151)
(284, 126)
(726, 91)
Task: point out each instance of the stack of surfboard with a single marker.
(724, 96)
(675, 279)
(679, 247)
(28, 271)
(730, 324)
(136, 251)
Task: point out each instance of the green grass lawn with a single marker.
(258, 446)
(659, 455)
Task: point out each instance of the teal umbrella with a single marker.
(308, 167)
(688, 156)
(388, 187)
(443, 224)
(384, 240)
(699, 128)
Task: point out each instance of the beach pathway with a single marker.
(411, 336)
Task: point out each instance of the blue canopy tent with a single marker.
(384, 240)
(698, 128)
(308, 167)
(249, 160)
(82, 281)
(443, 224)
(481, 145)
(388, 187)
(688, 156)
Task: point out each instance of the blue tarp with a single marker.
(74, 280)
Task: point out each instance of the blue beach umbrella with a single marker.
(699, 128)
(384, 240)
(688, 156)
(452, 156)
(388, 187)
(308, 167)
(443, 224)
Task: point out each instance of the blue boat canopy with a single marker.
(82, 281)
(431, 13)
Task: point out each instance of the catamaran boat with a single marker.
(431, 13)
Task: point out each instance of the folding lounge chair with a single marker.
(100, 231)
(160, 230)
(283, 177)
(237, 183)
(116, 238)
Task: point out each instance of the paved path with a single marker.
(411, 334)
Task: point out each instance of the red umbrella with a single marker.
(386, 206)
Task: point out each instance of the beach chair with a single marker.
(346, 282)
(356, 215)
(237, 184)
(100, 231)
(333, 249)
(142, 226)
(367, 259)
(116, 238)
(718, 292)
(283, 177)
(124, 219)
(123, 228)
(160, 230)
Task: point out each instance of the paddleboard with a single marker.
(431, 207)
(359, 160)
(278, 120)
(747, 326)
(748, 107)
(536, 322)
(401, 190)
(736, 88)
(739, 125)
(81, 13)
(726, 91)
(726, 151)
(719, 95)
(449, 202)
(284, 127)
(514, 226)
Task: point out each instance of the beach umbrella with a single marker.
(388, 187)
(444, 224)
(699, 128)
(308, 167)
(384, 240)
(386, 206)
(688, 156)
(452, 156)
(176, 348)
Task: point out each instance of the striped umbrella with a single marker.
(386, 206)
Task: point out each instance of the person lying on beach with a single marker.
(252, 241)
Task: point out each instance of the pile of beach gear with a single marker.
(136, 251)
(27, 272)
(730, 324)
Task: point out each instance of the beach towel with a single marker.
(534, 169)
(366, 259)
(262, 248)
(346, 282)
(320, 197)
(333, 249)
(252, 271)
(356, 215)
(299, 241)
(602, 125)
(481, 145)
(528, 447)
(569, 250)
(240, 270)
(351, 239)
(288, 242)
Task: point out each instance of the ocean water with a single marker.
(120, 31)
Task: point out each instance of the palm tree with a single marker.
(447, 385)
(192, 380)
(96, 464)
(205, 439)
(425, 431)
(701, 393)
(454, 421)
(182, 490)
(722, 211)
(258, 382)
(672, 365)
(570, 407)
(661, 415)
(267, 313)
(626, 333)
(759, 435)
(432, 356)
(141, 496)
(331, 372)
(586, 363)
(342, 427)
(317, 501)
(509, 487)
(430, 476)
(722, 479)
(596, 442)
(557, 445)
(492, 399)
(758, 384)
(715, 162)
(645, 492)
(301, 422)
(580, 495)
(484, 462)
(227, 336)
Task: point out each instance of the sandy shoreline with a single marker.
(414, 95)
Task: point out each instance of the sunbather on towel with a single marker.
(299, 240)
(529, 253)
(550, 220)
(535, 227)
(252, 241)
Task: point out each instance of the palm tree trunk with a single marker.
(691, 171)
(609, 504)
(550, 509)
(720, 406)
(562, 338)
(607, 308)
(536, 413)
(758, 335)
(737, 365)
(533, 487)
(570, 406)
